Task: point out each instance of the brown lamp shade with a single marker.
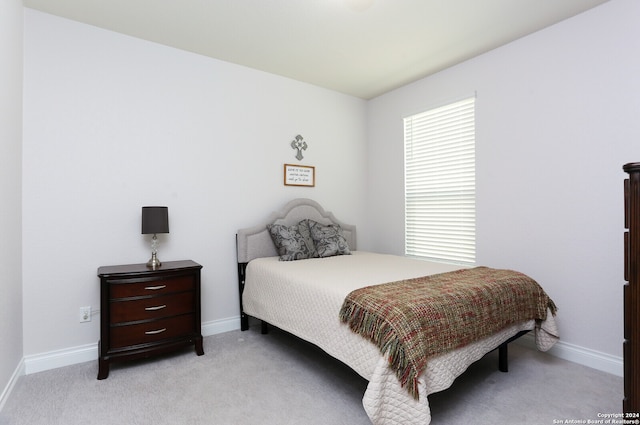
(155, 220)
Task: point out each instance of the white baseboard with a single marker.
(219, 326)
(12, 382)
(577, 354)
(89, 352)
(59, 358)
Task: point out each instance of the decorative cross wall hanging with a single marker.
(299, 144)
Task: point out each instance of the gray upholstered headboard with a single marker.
(255, 242)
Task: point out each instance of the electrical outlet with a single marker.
(85, 314)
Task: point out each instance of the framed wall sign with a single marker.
(299, 175)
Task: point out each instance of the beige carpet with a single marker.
(249, 378)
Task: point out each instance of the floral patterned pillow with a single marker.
(328, 239)
(291, 243)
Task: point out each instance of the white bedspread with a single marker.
(304, 298)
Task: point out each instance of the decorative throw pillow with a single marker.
(290, 243)
(328, 239)
(303, 229)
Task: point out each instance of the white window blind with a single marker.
(440, 183)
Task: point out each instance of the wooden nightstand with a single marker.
(144, 312)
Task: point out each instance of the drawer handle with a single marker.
(158, 331)
(157, 307)
(155, 288)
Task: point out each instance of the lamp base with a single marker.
(154, 263)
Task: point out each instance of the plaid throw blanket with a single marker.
(414, 319)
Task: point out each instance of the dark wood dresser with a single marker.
(144, 312)
(631, 353)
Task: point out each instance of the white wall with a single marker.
(11, 26)
(557, 117)
(113, 123)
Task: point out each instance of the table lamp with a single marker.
(155, 220)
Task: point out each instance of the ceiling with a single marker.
(362, 48)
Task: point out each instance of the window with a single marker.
(440, 183)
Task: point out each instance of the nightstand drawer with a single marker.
(156, 330)
(152, 308)
(151, 287)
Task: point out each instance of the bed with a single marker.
(306, 297)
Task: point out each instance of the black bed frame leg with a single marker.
(503, 352)
(503, 357)
(244, 319)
